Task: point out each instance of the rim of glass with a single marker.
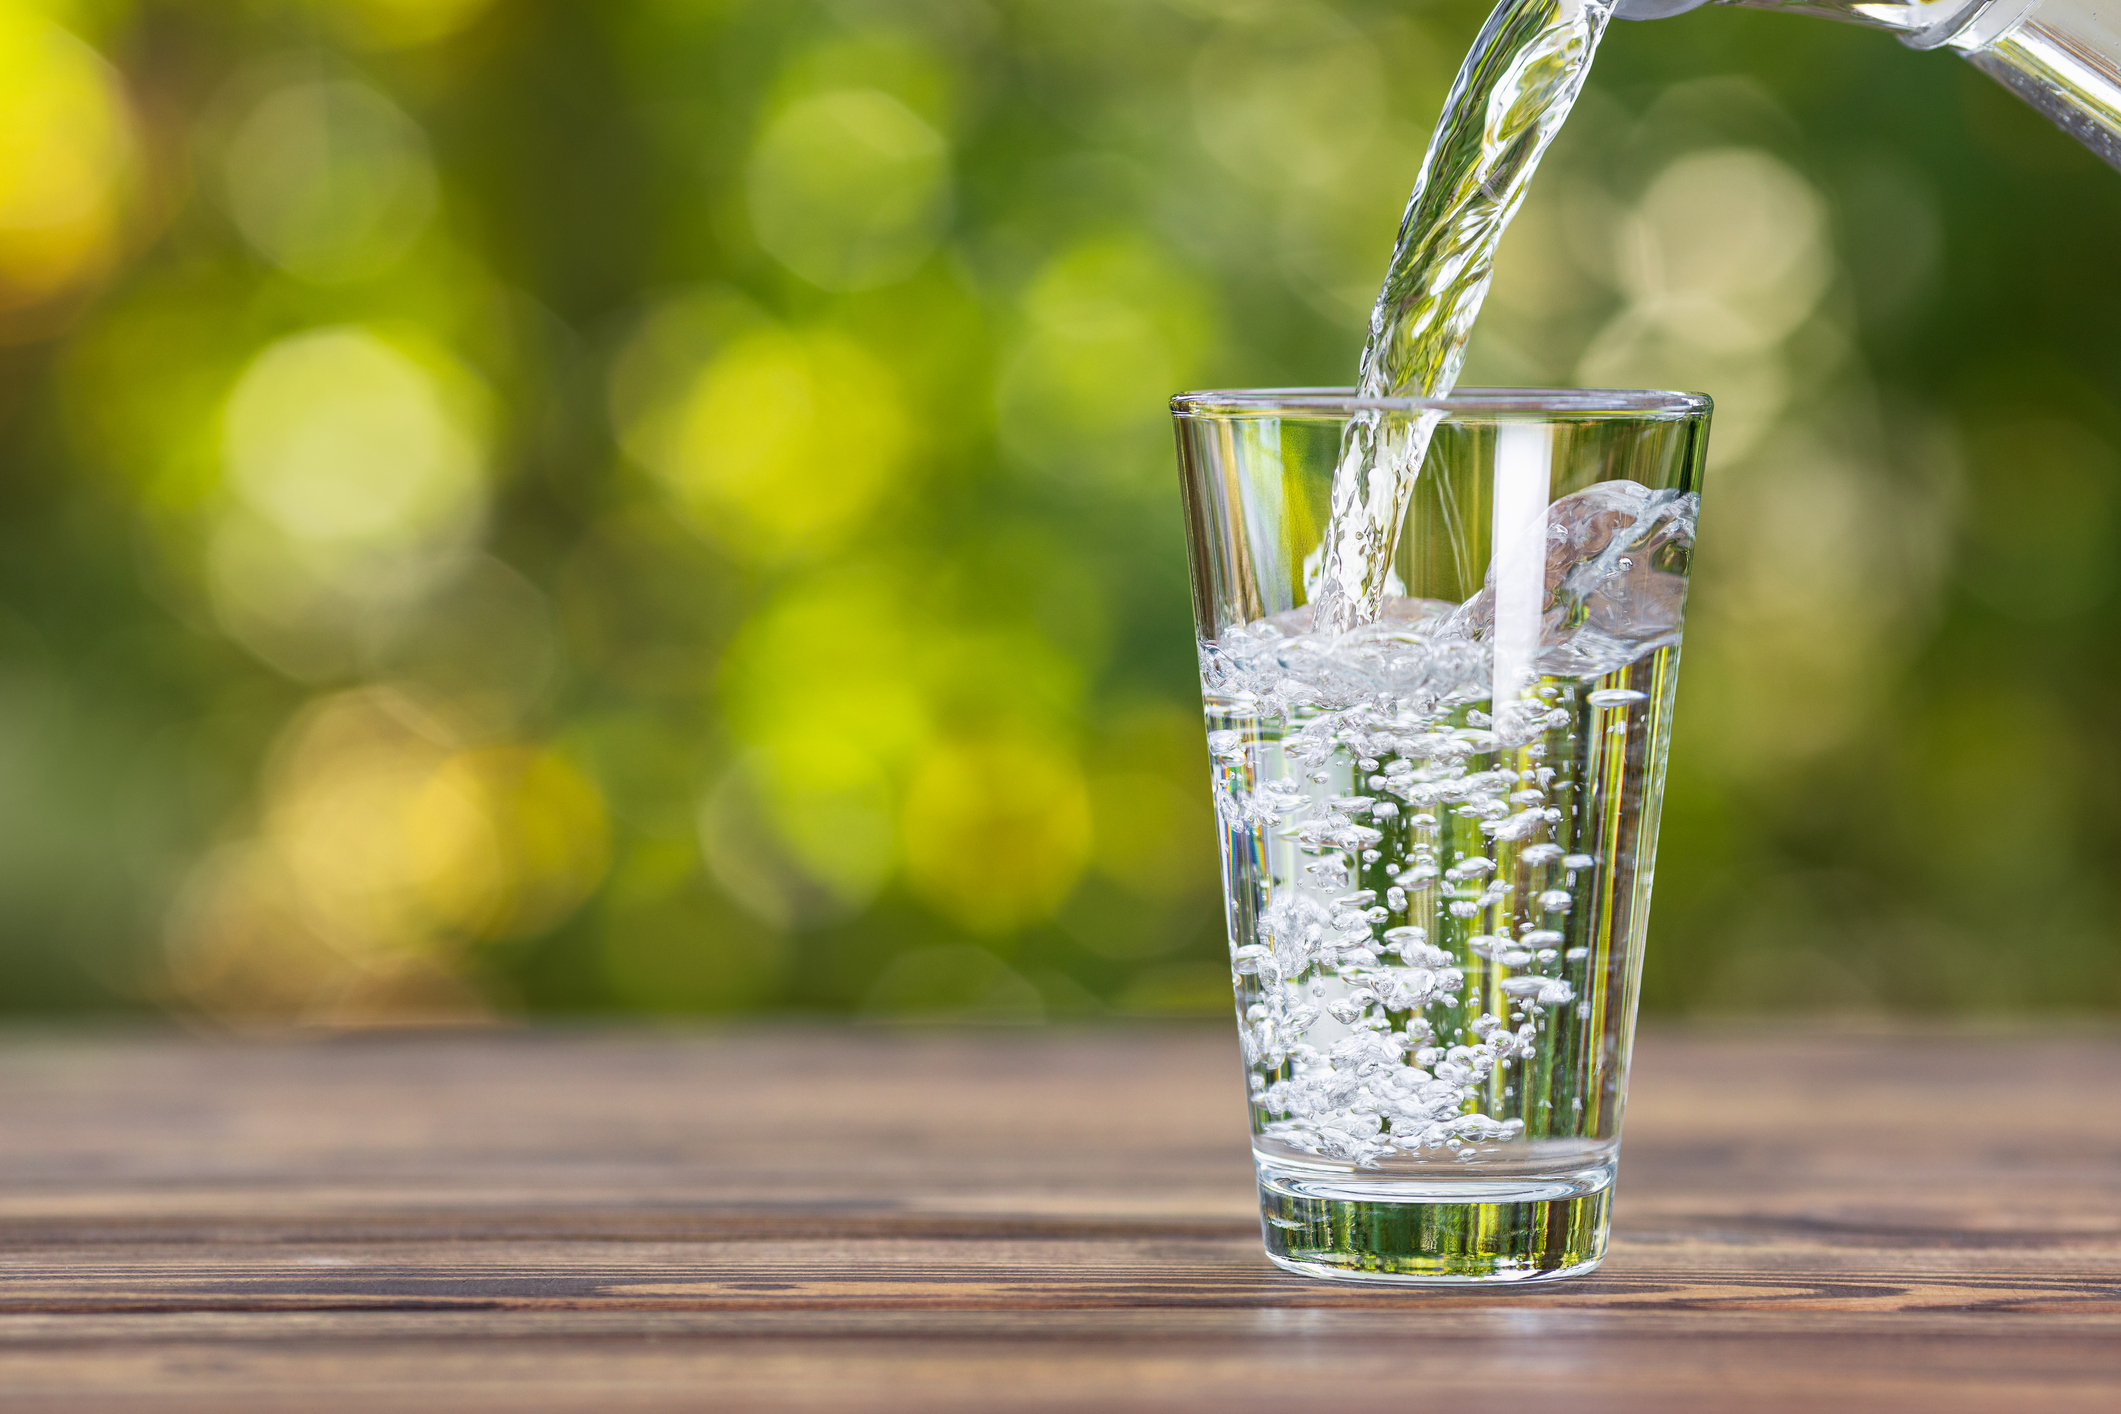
(1490, 402)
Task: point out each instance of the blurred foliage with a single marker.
(665, 505)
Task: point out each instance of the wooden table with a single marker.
(869, 1220)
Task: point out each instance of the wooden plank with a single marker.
(1246, 1360)
(820, 1219)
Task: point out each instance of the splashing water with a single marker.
(1516, 86)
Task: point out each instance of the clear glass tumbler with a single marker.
(1439, 828)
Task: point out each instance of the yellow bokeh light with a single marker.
(662, 357)
(339, 437)
(1111, 328)
(831, 658)
(339, 797)
(867, 663)
(808, 838)
(850, 189)
(784, 442)
(829, 733)
(356, 467)
(848, 690)
(330, 181)
(997, 831)
(1724, 260)
(66, 156)
(513, 838)
(241, 945)
(383, 851)
(831, 803)
(1728, 248)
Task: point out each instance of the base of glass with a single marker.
(1446, 1229)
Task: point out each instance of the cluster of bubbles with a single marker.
(1410, 860)
(1402, 1077)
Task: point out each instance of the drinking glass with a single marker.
(1439, 827)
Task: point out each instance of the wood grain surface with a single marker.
(1031, 1220)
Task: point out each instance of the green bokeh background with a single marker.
(777, 601)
